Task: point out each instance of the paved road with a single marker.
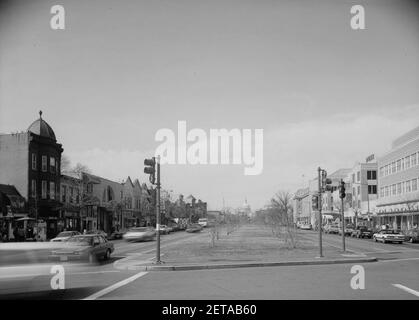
(395, 276)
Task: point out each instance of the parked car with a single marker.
(64, 236)
(164, 229)
(388, 236)
(306, 227)
(140, 234)
(331, 228)
(362, 232)
(84, 247)
(412, 235)
(99, 232)
(348, 230)
(203, 222)
(194, 227)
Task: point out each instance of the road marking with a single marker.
(396, 260)
(411, 291)
(115, 286)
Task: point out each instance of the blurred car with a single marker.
(140, 234)
(306, 227)
(388, 236)
(412, 235)
(164, 229)
(362, 232)
(203, 222)
(348, 230)
(194, 227)
(331, 228)
(64, 236)
(99, 232)
(84, 247)
(116, 235)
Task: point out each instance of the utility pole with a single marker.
(342, 196)
(158, 211)
(320, 211)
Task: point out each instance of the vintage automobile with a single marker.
(64, 236)
(194, 227)
(349, 228)
(164, 229)
(331, 228)
(203, 222)
(100, 232)
(306, 227)
(362, 232)
(140, 234)
(388, 236)
(84, 247)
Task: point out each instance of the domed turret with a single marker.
(41, 128)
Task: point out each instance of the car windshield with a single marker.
(80, 241)
(389, 232)
(64, 234)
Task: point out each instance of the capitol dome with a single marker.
(41, 128)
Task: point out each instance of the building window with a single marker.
(393, 167)
(399, 188)
(372, 175)
(63, 193)
(44, 189)
(408, 186)
(414, 184)
(52, 190)
(52, 164)
(71, 194)
(44, 163)
(407, 162)
(413, 160)
(33, 188)
(393, 189)
(372, 189)
(358, 176)
(359, 190)
(387, 191)
(399, 165)
(33, 161)
(77, 195)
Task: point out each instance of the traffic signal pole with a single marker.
(343, 227)
(320, 212)
(158, 261)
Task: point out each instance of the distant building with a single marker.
(31, 162)
(71, 200)
(398, 201)
(302, 206)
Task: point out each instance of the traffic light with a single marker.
(326, 182)
(150, 169)
(315, 202)
(342, 193)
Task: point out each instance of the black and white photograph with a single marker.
(209, 154)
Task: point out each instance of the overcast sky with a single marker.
(323, 93)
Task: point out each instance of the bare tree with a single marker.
(281, 217)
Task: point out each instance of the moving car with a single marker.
(140, 234)
(194, 227)
(203, 222)
(84, 247)
(348, 230)
(64, 236)
(100, 232)
(362, 232)
(388, 236)
(116, 235)
(412, 235)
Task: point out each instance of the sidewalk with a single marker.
(249, 246)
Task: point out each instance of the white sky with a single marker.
(323, 93)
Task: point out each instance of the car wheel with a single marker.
(107, 255)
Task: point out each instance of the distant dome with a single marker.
(41, 128)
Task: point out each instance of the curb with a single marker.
(247, 265)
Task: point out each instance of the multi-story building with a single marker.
(361, 186)
(398, 201)
(302, 206)
(31, 162)
(71, 199)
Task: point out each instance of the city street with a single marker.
(394, 276)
